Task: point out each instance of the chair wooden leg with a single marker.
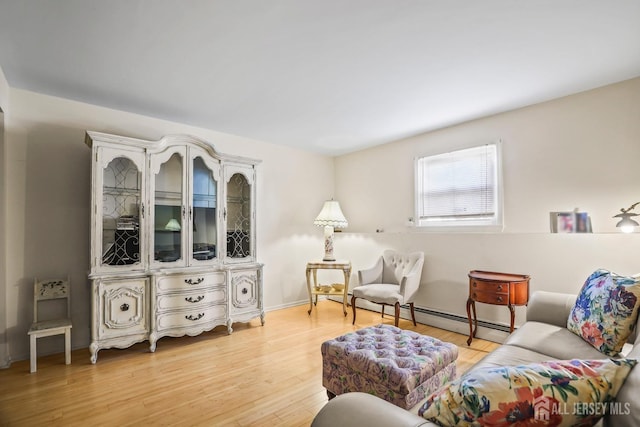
(383, 310)
(353, 307)
(413, 314)
(33, 353)
(397, 317)
(67, 346)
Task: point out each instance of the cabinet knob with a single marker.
(499, 299)
(244, 291)
(124, 307)
(499, 287)
(475, 285)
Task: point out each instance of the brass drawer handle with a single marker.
(194, 300)
(194, 282)
(499, 299)
(499, 287)
(194, 318)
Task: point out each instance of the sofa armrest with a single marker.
(550, 307)
(361, 409)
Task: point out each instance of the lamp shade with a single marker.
(626, 224)
(331, 215)
(172, 225)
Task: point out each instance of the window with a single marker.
(460, 188)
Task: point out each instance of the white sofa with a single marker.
(542, 337)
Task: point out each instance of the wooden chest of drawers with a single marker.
(495, 288)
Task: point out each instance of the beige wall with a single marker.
(4, 105)
(48, 198)
(579, 151)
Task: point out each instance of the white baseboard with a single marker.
(288, 305)
(5, 363)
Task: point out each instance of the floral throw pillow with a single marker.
(555, 393)
(606, 310)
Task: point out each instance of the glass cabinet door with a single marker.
(169, 211)
(122, 201)
(238, 216)
(202, 211)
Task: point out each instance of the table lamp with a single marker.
(173, 225)
(329, 217)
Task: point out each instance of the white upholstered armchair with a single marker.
(394, 281)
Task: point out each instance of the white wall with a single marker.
(48, 198)
(4, 105)
(579, 151)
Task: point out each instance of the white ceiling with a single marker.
(331, 76)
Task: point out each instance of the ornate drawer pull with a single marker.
(124, 307)
(194, 300)
(192, 317)
(194, 282)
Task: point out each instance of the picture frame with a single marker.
(570, 222)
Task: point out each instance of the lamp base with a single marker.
(328, 244)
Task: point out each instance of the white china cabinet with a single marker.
(172, 240)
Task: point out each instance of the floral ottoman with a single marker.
(396, 365)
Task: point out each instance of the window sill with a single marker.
(458, 228)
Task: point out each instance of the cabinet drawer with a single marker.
(485, 286)
(185, 282)
(490, 297)
(192, 317)
(192, 299)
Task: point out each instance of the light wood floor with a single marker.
(258, 376)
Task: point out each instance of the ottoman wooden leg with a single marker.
(330, 395)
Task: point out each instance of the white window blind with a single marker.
(459, 188)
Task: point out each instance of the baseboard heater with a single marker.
(442, 315)
(457, 318)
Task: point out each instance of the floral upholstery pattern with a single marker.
(606, 310)
(555, 393)
(396, 365)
